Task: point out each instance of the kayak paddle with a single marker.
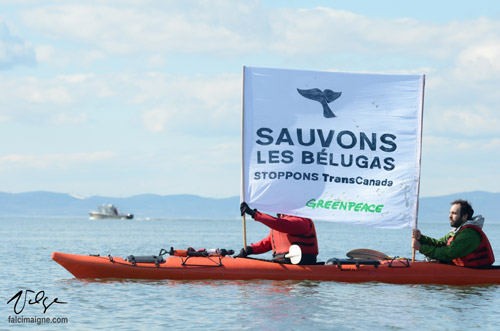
(294, 254)
(363, 253)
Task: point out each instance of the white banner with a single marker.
(333, 146)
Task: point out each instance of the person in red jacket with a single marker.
(286, 230)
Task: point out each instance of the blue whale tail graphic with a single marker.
(323, 97)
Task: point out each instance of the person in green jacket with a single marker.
(465, 245)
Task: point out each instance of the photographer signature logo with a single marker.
(20, 299)
(323, 97)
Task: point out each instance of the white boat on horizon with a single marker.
(108, 211)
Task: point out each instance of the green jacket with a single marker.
(466, 242)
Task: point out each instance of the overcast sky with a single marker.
(121, 97)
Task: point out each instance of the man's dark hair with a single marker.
(465, 208)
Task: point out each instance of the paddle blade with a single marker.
(294, 254)
(363, 253)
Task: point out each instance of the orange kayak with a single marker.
(400, 271)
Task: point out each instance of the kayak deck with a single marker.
(230, 268)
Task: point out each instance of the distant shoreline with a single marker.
(42, 203)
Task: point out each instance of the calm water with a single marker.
(27, 244)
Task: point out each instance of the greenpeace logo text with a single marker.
(350, 206)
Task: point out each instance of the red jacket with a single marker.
(285, 231)
(481, 256)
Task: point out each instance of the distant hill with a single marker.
(437, 208)
(43, 203)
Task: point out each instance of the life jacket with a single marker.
(481, 256)
(307, 242)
